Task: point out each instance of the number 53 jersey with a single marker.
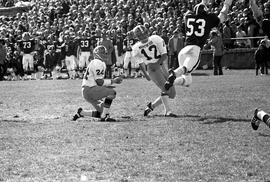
(149, 52)
(198, 27)
(95, 70)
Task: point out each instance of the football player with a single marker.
(95, 87)
(71, 60)
(198, 24)
(86, 46)
(26, 47)
(151, 54)
(129, 60)
(260, 116)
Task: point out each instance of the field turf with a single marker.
(210, 140)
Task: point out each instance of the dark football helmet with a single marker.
(200, 9)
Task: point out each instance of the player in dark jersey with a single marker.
(86, 45)
(27, 48)
(198, 25)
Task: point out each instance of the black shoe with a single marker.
(169, 114)
(148, 109)
(77, 115)
(255, 121)
(170, 80)
(107, 119)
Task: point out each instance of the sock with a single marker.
(261, 114)
(90, 113)
(106, 107)
(157, 102)
(180, 71)
(165, 101)
(105, 112)
(266, 119)
(179, 81)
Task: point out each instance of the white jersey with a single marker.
(151, 51)
(95, 70)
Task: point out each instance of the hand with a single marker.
(228, 2)
(117, 80)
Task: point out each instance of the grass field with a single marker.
(211, 140)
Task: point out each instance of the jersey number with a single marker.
(191, 23)
(100, 72)
(84, 43)
(26, 45)
(156, 56)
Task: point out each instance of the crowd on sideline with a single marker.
(55, 31)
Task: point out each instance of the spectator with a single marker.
(3, 54)
(227, 35)
(261, 56)
(218, 50)
(241, 34)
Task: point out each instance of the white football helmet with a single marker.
(140, 32)
(100, 52)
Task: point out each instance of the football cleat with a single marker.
(170, 114)
(170, 80)
(77, 115)
(107, 119)
(255, 121)
(148, 109)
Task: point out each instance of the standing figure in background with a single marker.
(176, 43)
(86, 47)
(261, 57)
(71, 60)
(26, 47)
(130, 64)
(3, 54)
(217, 44)
(106, 42)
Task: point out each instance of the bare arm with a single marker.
(257, 13)
(224, 11)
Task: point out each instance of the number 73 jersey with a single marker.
(95, 70)
(198, 27)
(149, 52)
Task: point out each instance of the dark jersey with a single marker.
(85, 44)
(198, 28)
(129, 43)
(266, 27)
(10, 47)
(27, 46)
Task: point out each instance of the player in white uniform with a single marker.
(95, 87)
(151, 52)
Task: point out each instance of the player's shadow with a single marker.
(208, 119)
(264, 135)
(13, 121)
(200, 74)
